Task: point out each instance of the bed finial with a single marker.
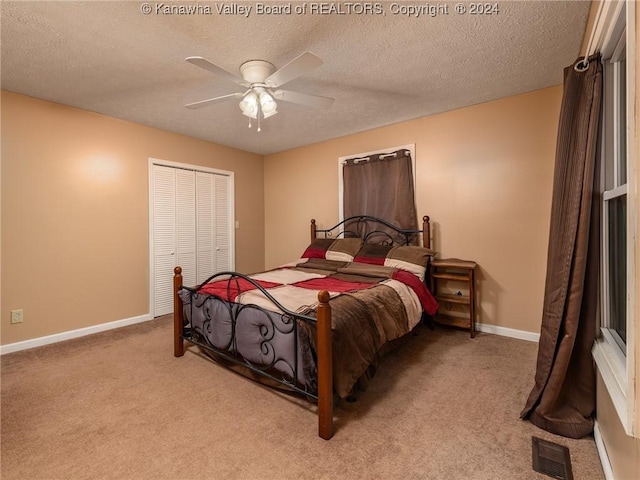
(177, 270)
(426, 232)
(313, 229)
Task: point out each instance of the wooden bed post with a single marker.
(178, 320)
(325, 366)
(313, 229)
(426, 232)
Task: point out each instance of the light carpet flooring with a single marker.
(118, 405)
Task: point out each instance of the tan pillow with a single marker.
(411, 258)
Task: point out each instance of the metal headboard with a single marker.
(374, 230)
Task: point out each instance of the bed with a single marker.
(314, 326)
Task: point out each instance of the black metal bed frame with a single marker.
(289, 325)
(370, 229)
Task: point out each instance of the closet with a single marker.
(191, 225)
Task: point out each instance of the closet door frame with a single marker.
(197, 168)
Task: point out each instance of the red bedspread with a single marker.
(371, 305)
(231, 289)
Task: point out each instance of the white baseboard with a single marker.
(508, 332)
(81, 332)
(602, 452)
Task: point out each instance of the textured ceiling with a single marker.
(110, 58)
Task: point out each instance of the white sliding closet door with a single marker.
(205, 231)
(186, 224)
(213, 225)
(223, 223)
(164, 237)
(192, 227)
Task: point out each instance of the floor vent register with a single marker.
(551, 459)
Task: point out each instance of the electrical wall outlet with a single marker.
(17, 316)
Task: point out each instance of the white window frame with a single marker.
(411, 147)
(618, 370)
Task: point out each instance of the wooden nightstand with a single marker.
(456, 272)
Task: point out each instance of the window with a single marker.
(614, 162)
(616, 347)
(380, 184)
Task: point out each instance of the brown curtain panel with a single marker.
(563, 398)
(381, 186)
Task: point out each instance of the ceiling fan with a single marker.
(262, 81)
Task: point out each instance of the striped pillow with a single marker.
(373, 254)
(410, 258)
(340, 249)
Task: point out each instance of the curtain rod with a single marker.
(366, 159)
(583, 65)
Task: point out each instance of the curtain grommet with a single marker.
(582, 65)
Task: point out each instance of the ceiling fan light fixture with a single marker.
(268, 104)
(261, 79)
(266, 115)
(249, 105)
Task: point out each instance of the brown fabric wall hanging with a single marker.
(563, 398)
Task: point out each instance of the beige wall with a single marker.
(623, 451)
(75, 213)
(484, 175)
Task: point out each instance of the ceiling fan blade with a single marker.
(211, 101)
(207, 65)
(303, 99)
(294, 69)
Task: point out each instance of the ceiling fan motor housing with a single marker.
(256, 71)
